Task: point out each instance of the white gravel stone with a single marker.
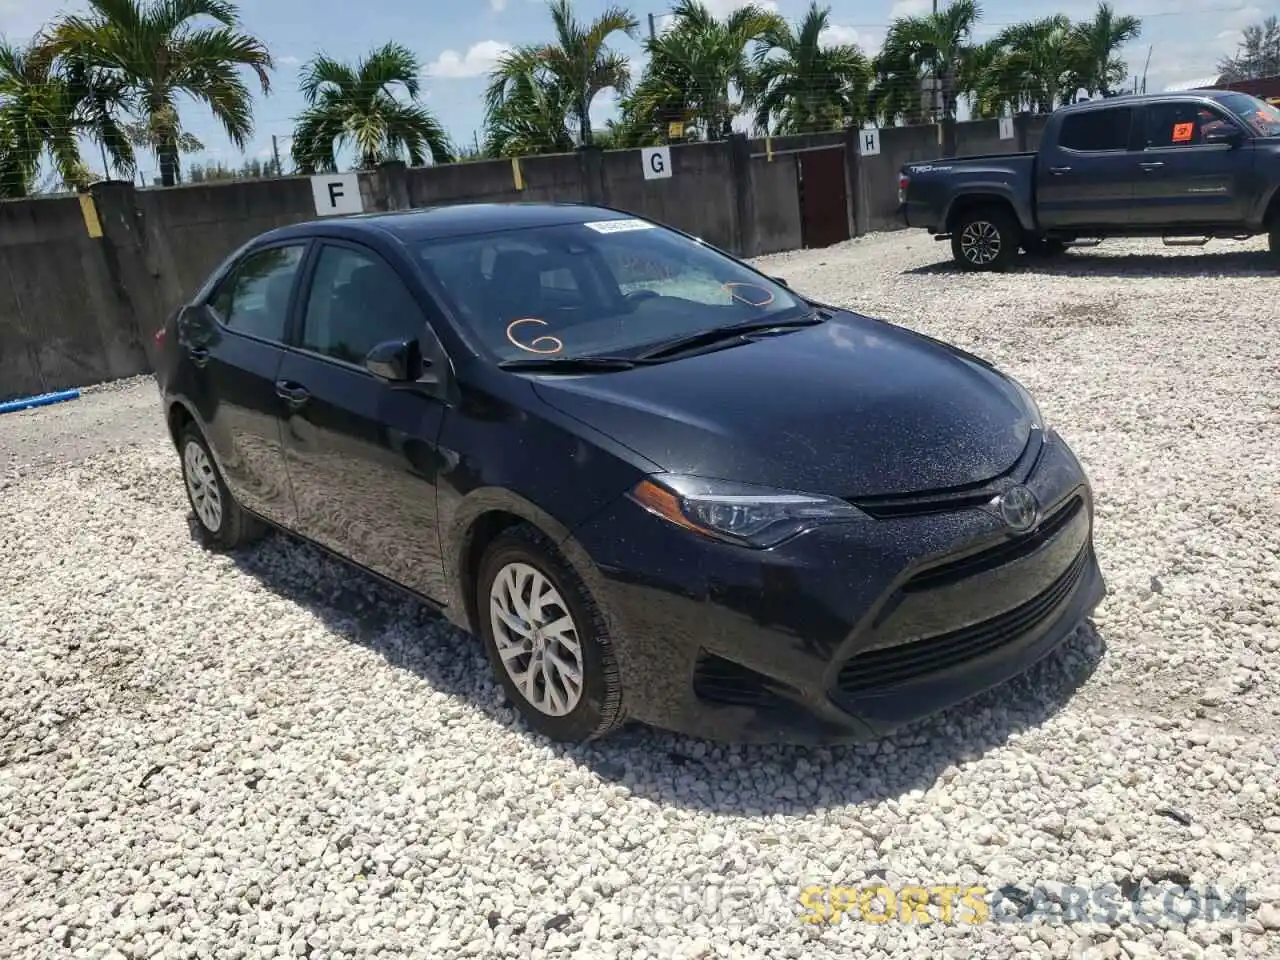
(267, 755)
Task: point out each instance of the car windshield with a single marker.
(1262, 118)
(603, 288)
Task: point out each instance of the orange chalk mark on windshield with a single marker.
(532, 345)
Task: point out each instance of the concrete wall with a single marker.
(76, 309)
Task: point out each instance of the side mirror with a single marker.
(396, 361)
(1225, 134)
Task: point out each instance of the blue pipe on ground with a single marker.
(43, 400)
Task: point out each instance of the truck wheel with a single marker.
(986, 238)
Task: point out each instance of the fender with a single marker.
(457, 537)
(995, 190)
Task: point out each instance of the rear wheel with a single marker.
(220, 520)
(546, 639)
(985, 238)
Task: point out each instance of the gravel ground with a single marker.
(264, 755)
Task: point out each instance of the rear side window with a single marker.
(254, 298)
(1096, 130)
(357, 301)
(1180, 124)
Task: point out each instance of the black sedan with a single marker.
(660, 485)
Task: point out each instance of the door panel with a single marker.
(362, 457)
(824, 214)
(234, 353)
(1087, 180)
(1185, 182)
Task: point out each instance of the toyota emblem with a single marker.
(1018, 508)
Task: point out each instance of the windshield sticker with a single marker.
(549, 344)
(618, 226)
(749, 293)
(1183, 132)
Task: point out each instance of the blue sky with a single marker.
(458, 42)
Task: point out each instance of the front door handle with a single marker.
(1156, 165)
(199, 355)
(293, 393)
(1059, 171)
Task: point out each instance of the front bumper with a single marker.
(848, 631)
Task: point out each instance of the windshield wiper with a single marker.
(706, 338)
(569, 364)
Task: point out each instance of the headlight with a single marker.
(738, 512)
(1033, 408)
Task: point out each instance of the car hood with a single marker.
(852, 407)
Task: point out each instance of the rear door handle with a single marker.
(199, 355)
(1151, 166)
(1059, 171)
(294, 393)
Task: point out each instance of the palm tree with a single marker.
(45, 106)
(532, 116)
(574, 69)
(938, 45)
(1029, 66)
(695, 67)
(155, 51)
(359, 105)
(1099, 70)
(803, 86)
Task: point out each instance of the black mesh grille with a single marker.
(891, 665)
(722, 681)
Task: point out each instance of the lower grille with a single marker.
(722, 681)
(891, 665)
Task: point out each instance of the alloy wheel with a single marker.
(536, 638)
(202, 484)
(980, 242)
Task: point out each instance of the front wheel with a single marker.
(986, 238)
(547, 640)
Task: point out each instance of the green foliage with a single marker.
(373, 106)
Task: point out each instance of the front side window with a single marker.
(611, 287)
(356, 302)
(254, 298)
(1262, 118)
(1181, 124)
(1096, 130)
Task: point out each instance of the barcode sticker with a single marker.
(618, 226)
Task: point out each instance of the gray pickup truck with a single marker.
(1188, 167)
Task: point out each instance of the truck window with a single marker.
(1096, 130)
(1180, 124)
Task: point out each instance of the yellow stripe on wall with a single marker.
(515, 173)
(90, 212)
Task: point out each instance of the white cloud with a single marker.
(838, 35)
(722, 8)
(479, 59)
(288, 60)
(497, 6)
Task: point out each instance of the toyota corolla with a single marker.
(656, 483)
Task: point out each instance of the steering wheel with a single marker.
(644, 293)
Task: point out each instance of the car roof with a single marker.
(450, 220)
(1137, 99)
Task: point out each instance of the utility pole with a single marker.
(653, 33)
(275, 149)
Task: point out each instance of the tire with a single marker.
(1274, 242)
(221, 522)
(1045, 248)
(522, 563)
(986, 238)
